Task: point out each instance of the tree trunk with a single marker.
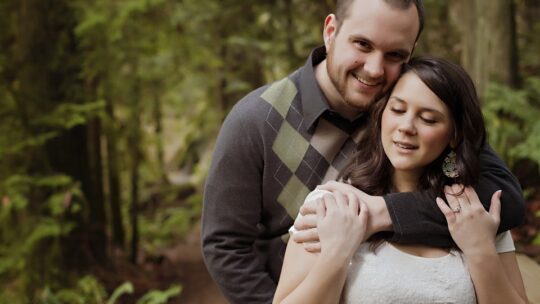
(158, 129)
(135, 150)
(43, 39)
(113, 177)
(488, 40)
(94, 191)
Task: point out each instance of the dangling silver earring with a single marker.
(449, 166)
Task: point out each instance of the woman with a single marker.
(431, 119)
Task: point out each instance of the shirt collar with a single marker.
(314, 103)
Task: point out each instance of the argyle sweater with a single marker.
(275, 146)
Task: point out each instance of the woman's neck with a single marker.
(405, 181)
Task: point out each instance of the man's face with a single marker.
(365, 55)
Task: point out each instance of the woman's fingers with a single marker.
(321, 209)
(472, 197)
(459, 192)
(448, 213)
(452, 199)
(495, 208)
(364, 211)
(341, 201)
(353, 203)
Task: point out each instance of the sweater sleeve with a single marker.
(231, 212)
(417, 219)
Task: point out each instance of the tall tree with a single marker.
(489, 45)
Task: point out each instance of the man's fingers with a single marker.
(334, 186)
(309, 207)
(306, 236)
(306, 222)
(312, 247)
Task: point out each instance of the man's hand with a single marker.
(379, 219)
(306, 227)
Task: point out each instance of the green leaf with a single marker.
(125, 288)
(160, 297)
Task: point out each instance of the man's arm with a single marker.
(231, 212)
(416, 218)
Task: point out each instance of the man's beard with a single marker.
(341, 87)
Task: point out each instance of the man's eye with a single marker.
(363, 44)
(396, 56)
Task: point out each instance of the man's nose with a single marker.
(374, 65)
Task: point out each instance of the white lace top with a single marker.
(389, 275)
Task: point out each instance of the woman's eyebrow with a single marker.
(424, 109)
(397, 98)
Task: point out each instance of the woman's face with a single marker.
(416, 126)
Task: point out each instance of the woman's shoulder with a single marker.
(316, 194)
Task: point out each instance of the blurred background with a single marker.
(109, 110)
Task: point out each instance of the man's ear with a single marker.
(412, 51)
(329, 31)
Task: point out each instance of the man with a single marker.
(283, 139)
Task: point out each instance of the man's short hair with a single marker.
(342, 10)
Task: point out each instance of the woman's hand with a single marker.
(470, 225)
(341, 223)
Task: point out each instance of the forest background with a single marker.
(109, 111)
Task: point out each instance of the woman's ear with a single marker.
(454, 141)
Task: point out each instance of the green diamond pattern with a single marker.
(280, 95)
(292, 196)
(290, 146)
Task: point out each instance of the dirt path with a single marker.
(187, 263)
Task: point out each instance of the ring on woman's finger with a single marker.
(457, 209)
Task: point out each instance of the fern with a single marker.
(512, 121)
(160, 297)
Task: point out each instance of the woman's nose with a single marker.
(407, 126)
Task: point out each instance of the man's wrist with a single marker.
(379, 217)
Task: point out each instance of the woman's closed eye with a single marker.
(398, 110)
(428, 120)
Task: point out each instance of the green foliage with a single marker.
(88, 290)
(67, 116)
(125, 288)
(160, 297)
(121, 62)
(512, 121)
(39, 229)
(169, 224)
